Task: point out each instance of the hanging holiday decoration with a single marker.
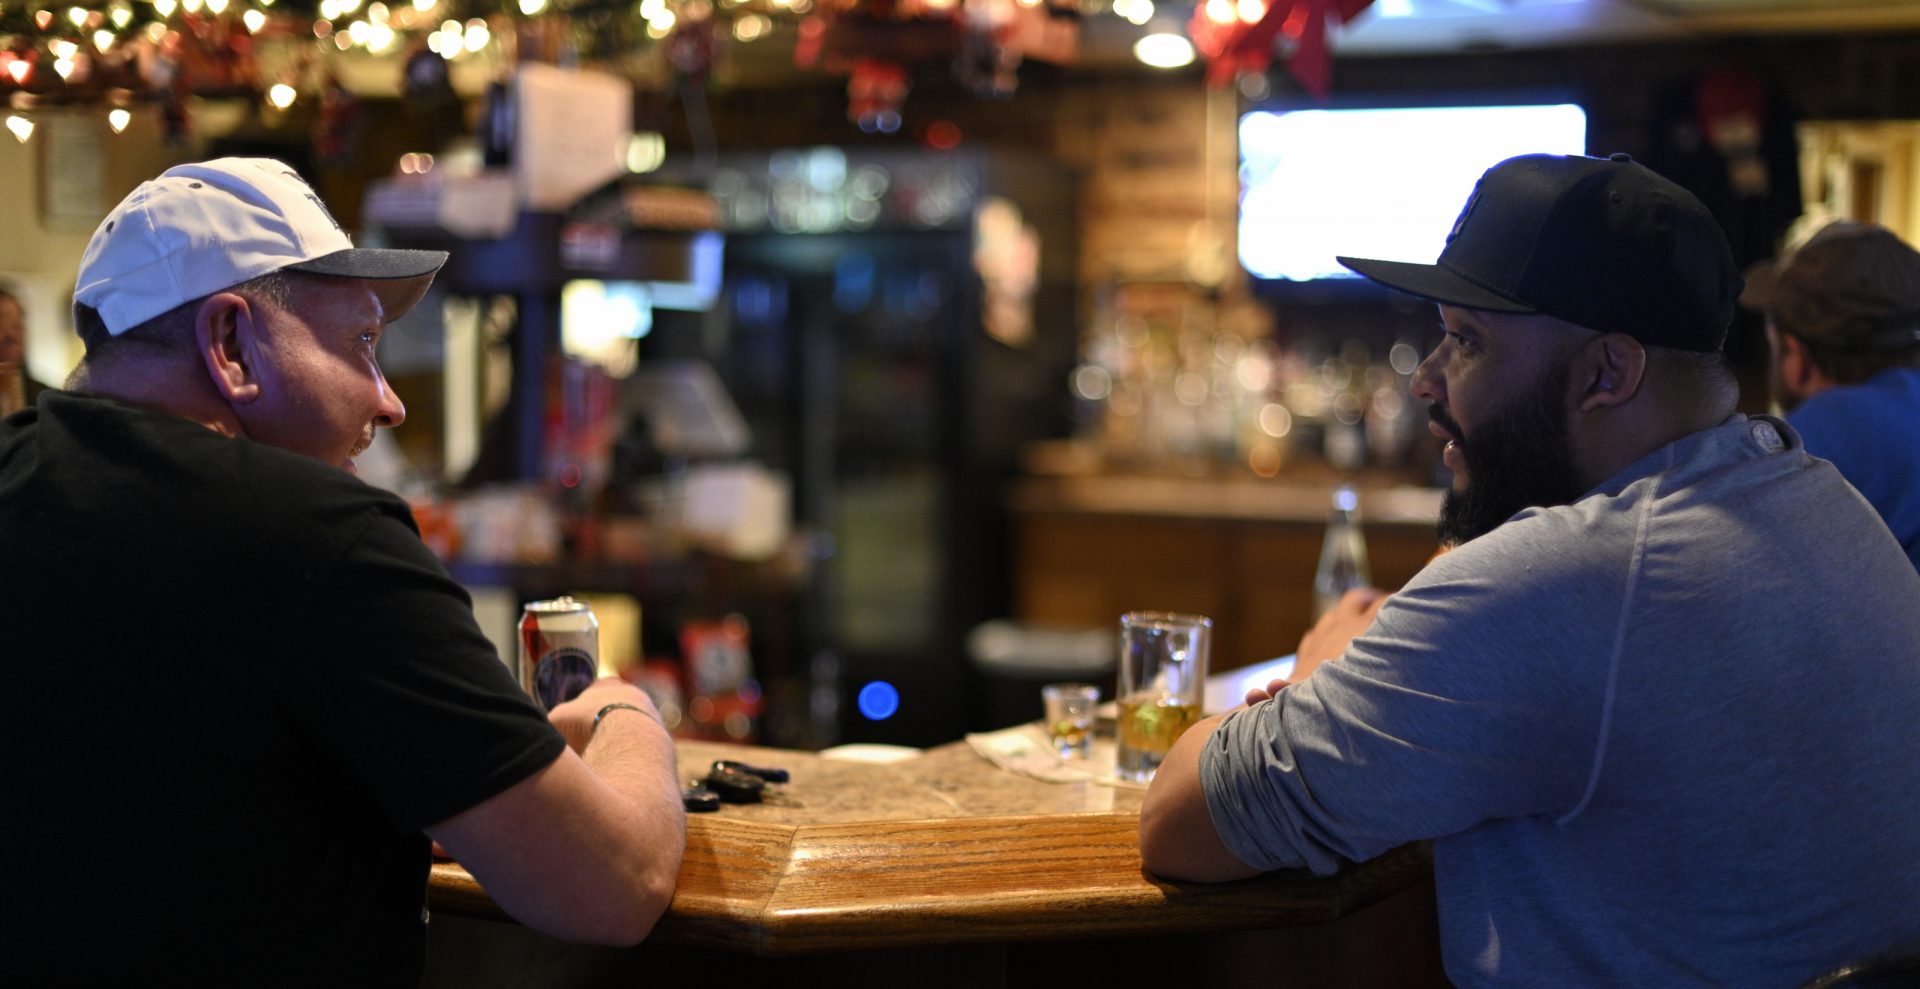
(338, 126)
(116, 54)
(988, 66)
(1239, 37)
(875, 90)
(879, 43)
(690, 50)
(120, 52)
(997, 35)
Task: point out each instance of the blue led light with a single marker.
(878, 700)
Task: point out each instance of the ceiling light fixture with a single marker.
(1164, 50)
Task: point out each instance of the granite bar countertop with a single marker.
(943, 847)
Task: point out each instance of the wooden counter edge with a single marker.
(766, 889)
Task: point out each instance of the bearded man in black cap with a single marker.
(1637, 764)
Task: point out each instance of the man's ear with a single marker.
(1797, 370)
(227, 337)
(1609, 371)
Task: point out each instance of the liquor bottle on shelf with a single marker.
(1343, 554)
(498, 124)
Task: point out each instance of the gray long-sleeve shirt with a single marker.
(1667, 735)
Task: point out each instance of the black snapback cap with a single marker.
(1605, 243)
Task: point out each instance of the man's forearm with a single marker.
(1177, 837)
(633, 753)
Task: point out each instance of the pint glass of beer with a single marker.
(1163, 675)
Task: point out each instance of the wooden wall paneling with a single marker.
(1272, 592)
(1396, 552)
(1087, 571)
(1253, 578)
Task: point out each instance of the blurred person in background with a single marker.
(242, 695)
(18, 389)
(1843, 333)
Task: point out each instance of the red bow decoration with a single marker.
(1239, 46)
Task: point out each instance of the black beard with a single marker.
(1519, 458)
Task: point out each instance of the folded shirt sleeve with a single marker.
(1428, 725)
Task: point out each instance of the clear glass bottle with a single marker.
(1343, 554)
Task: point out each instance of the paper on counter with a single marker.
(870, 752)
(1026, 750)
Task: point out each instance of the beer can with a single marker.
(559, 650)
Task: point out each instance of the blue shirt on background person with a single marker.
(1843, 332)
(1871, 431)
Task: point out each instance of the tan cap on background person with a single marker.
(201, 228)
(1853, 285)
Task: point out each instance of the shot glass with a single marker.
(1069, 717)
(1162, 684)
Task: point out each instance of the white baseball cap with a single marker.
(204, 227)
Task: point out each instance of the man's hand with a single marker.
(1328, 638)
(1255, 694)
(575, 717)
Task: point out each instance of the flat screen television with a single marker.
(1376, 181)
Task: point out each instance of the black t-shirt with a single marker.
(238, 687)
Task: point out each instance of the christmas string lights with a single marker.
(126, 56)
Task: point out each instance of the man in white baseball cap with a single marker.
(187, 254)
(204, 227)
(264, 695)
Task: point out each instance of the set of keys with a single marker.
(730, 782)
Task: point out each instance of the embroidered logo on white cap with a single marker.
(209, 226)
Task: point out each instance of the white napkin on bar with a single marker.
(1026, 750)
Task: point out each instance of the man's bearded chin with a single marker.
(1518, 458)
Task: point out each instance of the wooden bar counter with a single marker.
(947, 870)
